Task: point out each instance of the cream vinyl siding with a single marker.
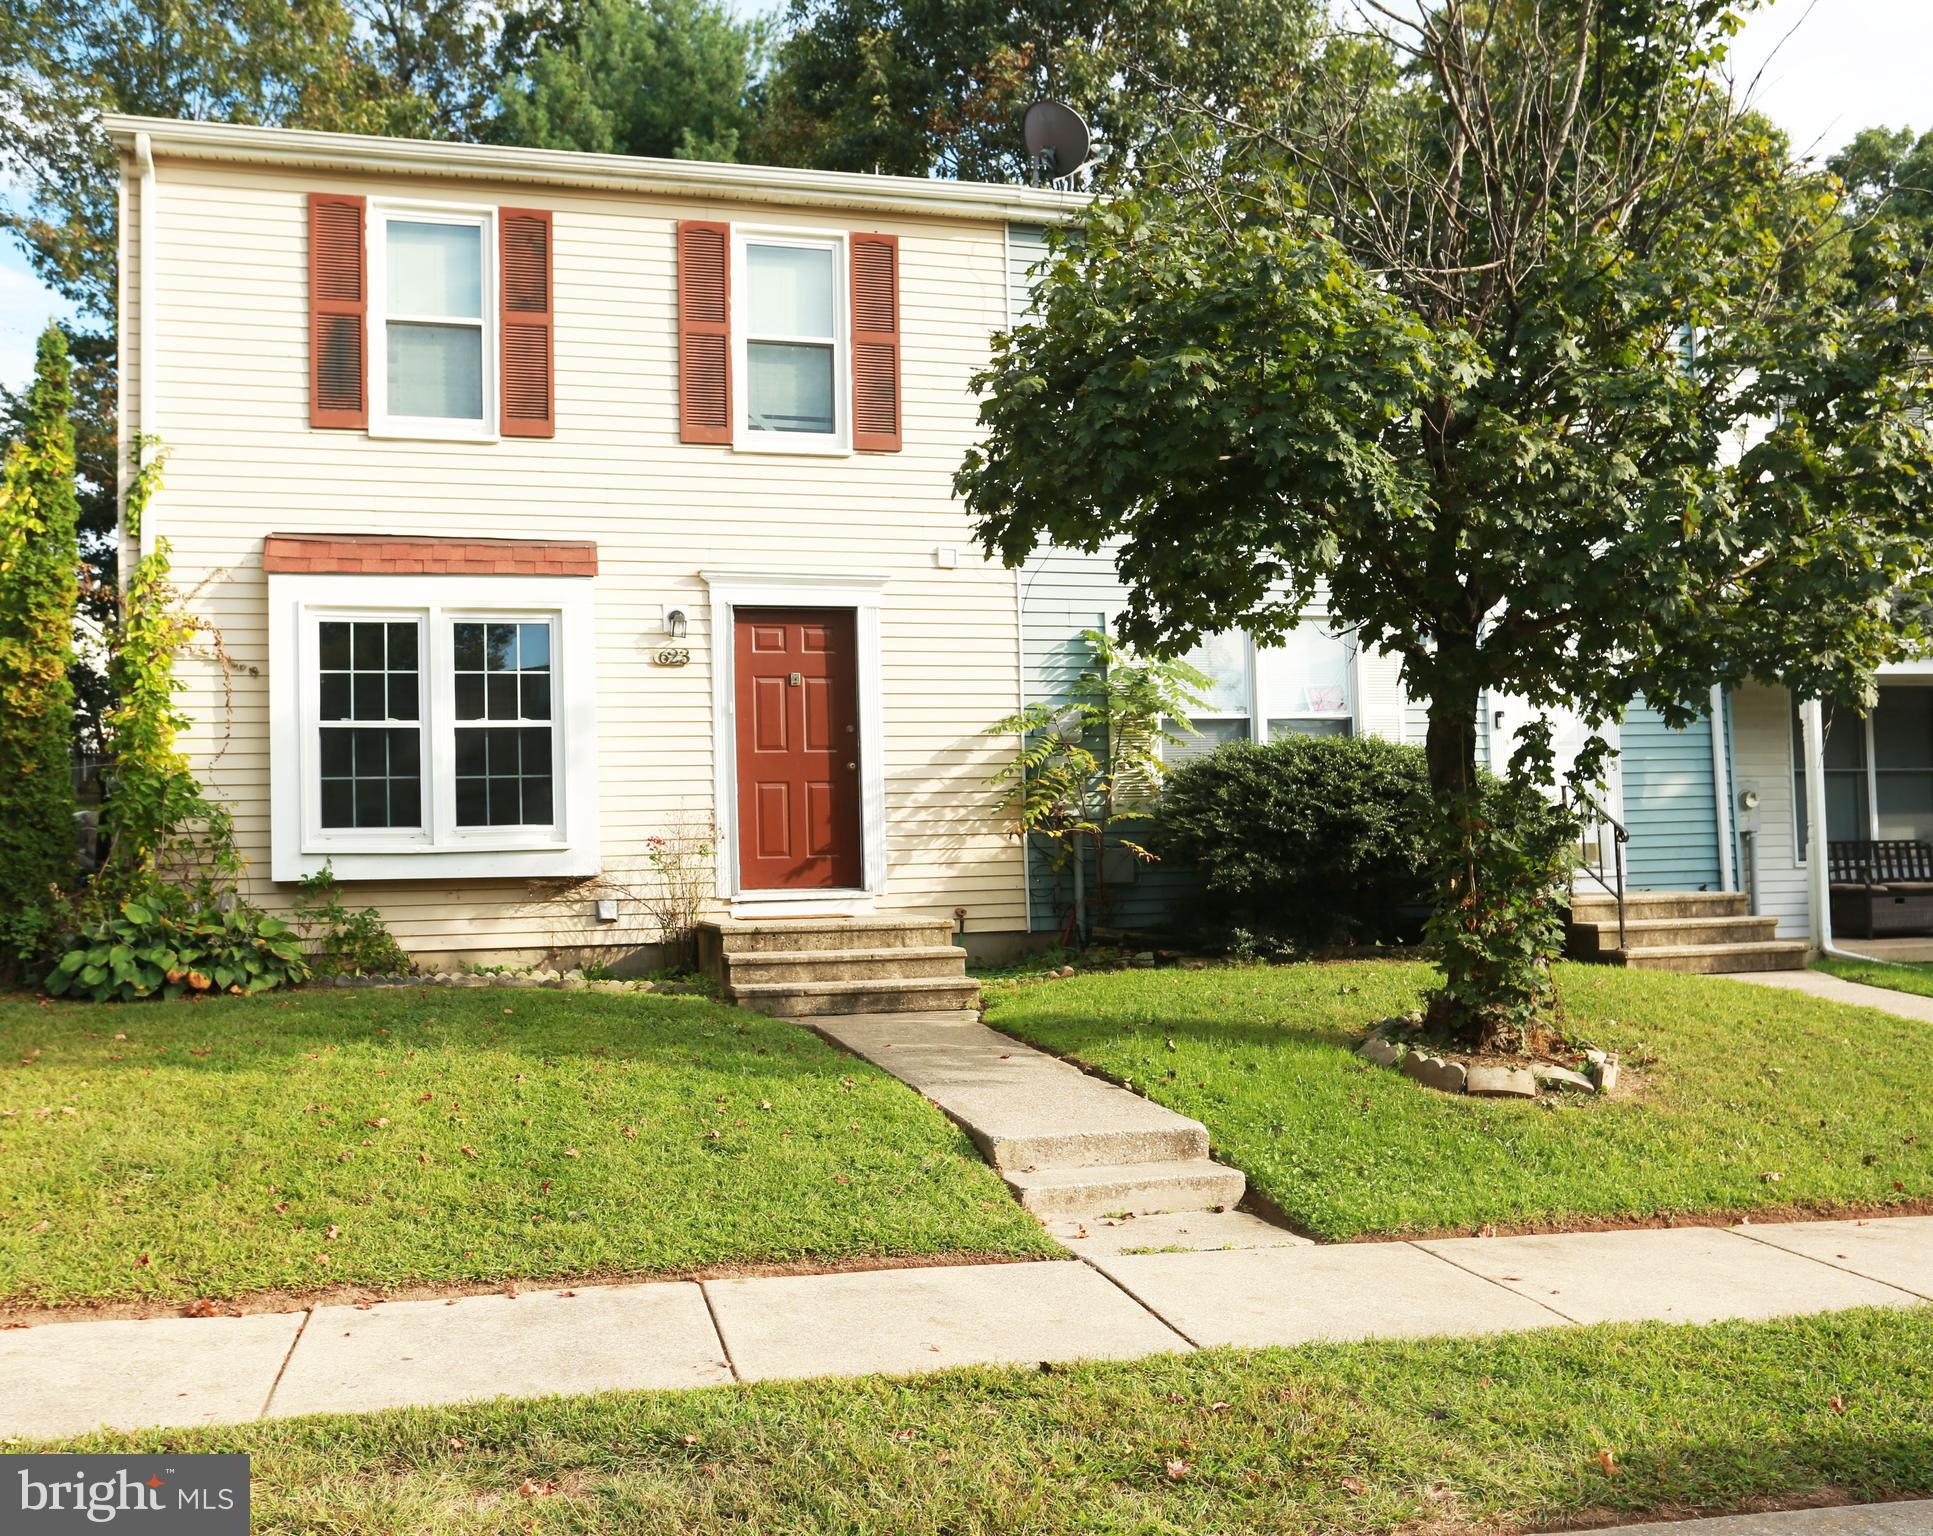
(232, 348)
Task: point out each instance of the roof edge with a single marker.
(246, 144)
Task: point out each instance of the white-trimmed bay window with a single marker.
(790, 323)
(433, 324)
(430, 726)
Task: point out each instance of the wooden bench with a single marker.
(1880, 887)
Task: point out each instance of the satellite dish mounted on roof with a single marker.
(1058, 143)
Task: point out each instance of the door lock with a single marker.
(795, 680)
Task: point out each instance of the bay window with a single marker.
(432, 725)
(433, 319)
(789, 295)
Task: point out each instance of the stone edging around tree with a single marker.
(1387, 1047)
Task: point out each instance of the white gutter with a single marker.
(367, 153)
(1722, 791)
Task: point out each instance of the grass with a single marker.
(388, 1138)
(1447, 1436)
(1751, 1098)
(1899, 976)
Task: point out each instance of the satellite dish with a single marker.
(1058, 143)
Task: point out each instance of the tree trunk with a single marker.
(1491, 928)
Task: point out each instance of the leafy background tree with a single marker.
(937, 87)
(638, 77)
(1420, 337)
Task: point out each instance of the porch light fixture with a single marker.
(675, 623)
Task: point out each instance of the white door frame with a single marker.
(730, 591)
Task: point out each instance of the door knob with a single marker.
(851, 767)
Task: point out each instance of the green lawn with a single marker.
(1909, 976)
(390, 1137)
(1751, 1097)
(1448, 1436)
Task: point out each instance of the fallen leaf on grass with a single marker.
(1355, 1485)
(468, 1151)
(1609, 1462)
(1177, 1470)
(530, 1487)
(1836, 1404)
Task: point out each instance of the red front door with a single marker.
(797, 680)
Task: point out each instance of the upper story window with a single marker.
(433, 323)
(791, 328)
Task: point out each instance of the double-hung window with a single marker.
(1306, 683)
(1302, 686)
(792, 331)
(433, 322)
(433, 725)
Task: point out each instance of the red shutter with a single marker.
(338, 313)
(523, 305)
(704, 331)
(875, 343)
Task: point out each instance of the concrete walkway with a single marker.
(1067, 1143)
(1836, 989)
(1911, 1519)
(64, 1378)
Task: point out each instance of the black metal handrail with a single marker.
(1613, 884)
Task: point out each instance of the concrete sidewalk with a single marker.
(60, 1379)
(1910, 1519)
(1836, 989)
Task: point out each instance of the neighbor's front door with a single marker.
(797, 684)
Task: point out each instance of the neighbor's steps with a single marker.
(1707, 932)
(1713, 959)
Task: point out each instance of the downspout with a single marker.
(144, 330)
(1020, 693)
(1722, 791)
(1812, 723)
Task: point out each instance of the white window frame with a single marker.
(440, 428)
(300, 846)
(1351, 688)
(838, 442)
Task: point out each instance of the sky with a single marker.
(1825, 70)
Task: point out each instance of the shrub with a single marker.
(346, 943)
(1314, 837)
(39, 587)
(165, 946)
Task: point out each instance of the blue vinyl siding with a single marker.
(1026, 244)
(1669, 805)
(1063, 595)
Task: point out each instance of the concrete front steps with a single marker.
(1069, 1145)
(1707, 932)
(813, 967)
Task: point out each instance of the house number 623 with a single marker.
(673, 656)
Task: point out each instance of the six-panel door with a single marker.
(797, 684)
